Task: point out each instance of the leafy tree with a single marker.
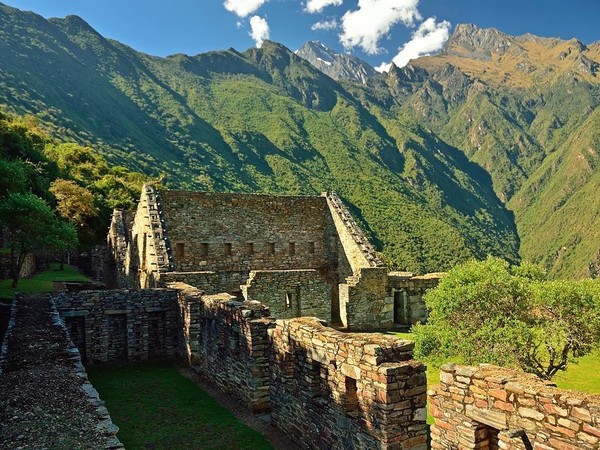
(74, 203)
(509, 315)
(28, 225)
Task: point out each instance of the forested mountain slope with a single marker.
(423, 155)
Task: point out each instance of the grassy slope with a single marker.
(176, 415)
(41, 282)
(557, 207)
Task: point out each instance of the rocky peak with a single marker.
(336, 65)
(479, 43)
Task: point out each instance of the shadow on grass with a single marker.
(156, 407)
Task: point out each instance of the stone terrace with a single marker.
(46, 400)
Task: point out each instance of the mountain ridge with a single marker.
(427, 156)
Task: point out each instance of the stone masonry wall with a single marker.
(243, 232)
(46, 400)
(365, 303)
(226, 341)
(121, 325)
(331, 390)
(489, 407)
(412, 288)
(29, 266)
(290, 293)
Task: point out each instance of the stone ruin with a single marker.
(299, 255)
(489, 407)
(242, 287)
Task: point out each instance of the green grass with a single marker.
(156, 407)
(41, 282)
(583, 376)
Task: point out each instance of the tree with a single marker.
(509, 315)
(74, 203)
(28, 225)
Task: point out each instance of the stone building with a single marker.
(299, 255)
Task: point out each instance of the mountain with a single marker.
(264, 120)
(337, 65)
(521, 108)
(442, 160)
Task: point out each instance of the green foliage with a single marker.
(259, 121)
(74, 203)
(28, 224)
(492, 312)
(178, 414)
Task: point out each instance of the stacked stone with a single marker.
(46, 398)
(209, 282)
(415, 287)
(258, 229)
(290, 293)
(365, 302)
(228, 343)
(121, 324)
(491, 407)
(336, 391)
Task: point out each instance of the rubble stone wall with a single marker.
(243, 232)
(290, 293)
(29, 266)
(121, 325)
(489, 407)
(226, 341)
(407, 291)
(333, 390)
(365, 303)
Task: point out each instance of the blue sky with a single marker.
(375, 30)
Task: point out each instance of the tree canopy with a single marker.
(493, 312)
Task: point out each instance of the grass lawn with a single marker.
(156, 407)
(41, 282)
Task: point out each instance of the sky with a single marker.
(378, 31)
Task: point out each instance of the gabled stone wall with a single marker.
(334, 390)
(121, 325)
(243, 232)
(489, 407)
(290, 293)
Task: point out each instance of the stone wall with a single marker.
(365, 303)
(46, 399)
(243, 232)
(121, 325)
(226, 341)
(407, 291)
(28, 269)
(290, 293)
(337, 391)
(488, 407)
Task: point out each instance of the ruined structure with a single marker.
(299, 255)
(324, 388)
(489, 407)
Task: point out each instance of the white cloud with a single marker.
(430, 37)
(316, 6)
(259, 30)
(325, 25)
(243, 7)
(374, 19)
